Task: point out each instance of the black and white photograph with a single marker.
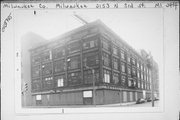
(90, 58)
(90, 61)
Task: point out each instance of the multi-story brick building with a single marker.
(62, 69)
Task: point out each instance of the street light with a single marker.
(93, 80)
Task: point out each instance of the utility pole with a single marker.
(151, 68)
(93, 82)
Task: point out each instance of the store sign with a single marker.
(38, 97)
(87, 94)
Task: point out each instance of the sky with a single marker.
(140, 28)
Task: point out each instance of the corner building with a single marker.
(61, 69)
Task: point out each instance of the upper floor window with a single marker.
(134, 72)
(89, 44)
(115, 50)
(123, 68)
(36, 71)
(74, 47)
(59, 66)
(115, 78)
(115, 63)
(47, 82)
(74, 62)
(47, 69)
(60, 81)
(138, 74)
(106, 76)
(122, 55)
(142, 76)
(129, 70)
(106, 59)
(105, 44)
(128, 59)
(123, 80)
(58, 52)
(138, 65)
(36, 85)
(74, 78)
(133, 61)
(36, 59)
(91, 59)
(46, 56)
(88, 76)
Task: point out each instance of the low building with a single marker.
(88, 65)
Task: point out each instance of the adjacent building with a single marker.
(88, 65)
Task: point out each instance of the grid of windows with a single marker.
(43, 66)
